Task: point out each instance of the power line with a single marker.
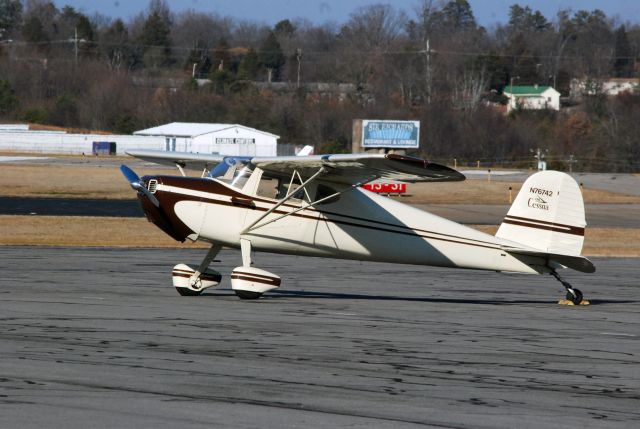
(338, 51)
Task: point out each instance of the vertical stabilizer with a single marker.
(548, 214)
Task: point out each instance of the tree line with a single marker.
(306, 82)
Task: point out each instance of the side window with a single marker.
(324, 191)
(240, 176)
(269, 187)
(284, 190)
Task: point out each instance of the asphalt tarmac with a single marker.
(96, 338)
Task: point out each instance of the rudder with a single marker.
(547, 214)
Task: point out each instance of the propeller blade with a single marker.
(136, 184)
(130, 175)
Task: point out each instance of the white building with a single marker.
(612, 86)
(223, 139)
(532, 97)
(19, 138)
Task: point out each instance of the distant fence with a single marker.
(286, 149)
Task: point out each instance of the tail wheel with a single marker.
(246, 294)
(574, 295)
(188, 292)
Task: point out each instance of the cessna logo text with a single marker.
(538, 203)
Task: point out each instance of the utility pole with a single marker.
(75, 42)
(571, 161)
(428, 52)
(298, 58)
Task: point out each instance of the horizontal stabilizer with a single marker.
(578, 263)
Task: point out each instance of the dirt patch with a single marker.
(138, 232)
(67, 181)
(82, 231)
(84, 181)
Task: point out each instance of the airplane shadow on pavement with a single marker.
(290, 294)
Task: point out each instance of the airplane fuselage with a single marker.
(358, 225)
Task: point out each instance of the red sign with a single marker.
(386, 188)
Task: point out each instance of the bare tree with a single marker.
(469, 89)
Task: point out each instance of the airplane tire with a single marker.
(188, 292)
(246, 294)
(577, 298)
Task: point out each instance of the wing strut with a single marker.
(284, 200)
(313, 204)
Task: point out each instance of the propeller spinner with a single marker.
(138, 185)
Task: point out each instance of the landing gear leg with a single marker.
(213, 251)
(191, 281)
(245, 248)
(574, 295)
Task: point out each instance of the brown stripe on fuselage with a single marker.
(544, 225)
(212, 186)
(526, 219)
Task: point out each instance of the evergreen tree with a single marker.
(85, 29)
(271, 56)
(10, 15)
(284, 28)
(524, 20)
(458, 16)
(248, 69)
(70, 23)
(155, 39)
(622, 65)
(115, 45)
(199, 56)
(33, 31)
(221, 57)
(8, 99)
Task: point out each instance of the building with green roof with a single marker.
(531, 97)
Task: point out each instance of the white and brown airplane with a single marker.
(314, 206)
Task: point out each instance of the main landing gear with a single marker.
(249, 282)
(574, 295)
(190, 281)
(246, 281)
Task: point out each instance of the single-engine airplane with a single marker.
(314, 206)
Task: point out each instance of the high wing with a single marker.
(192, 161)
(351, 169)
(360, 168)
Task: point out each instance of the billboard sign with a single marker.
(390, 134)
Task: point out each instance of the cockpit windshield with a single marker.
(236, 174)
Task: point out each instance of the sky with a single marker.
(487, 12)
